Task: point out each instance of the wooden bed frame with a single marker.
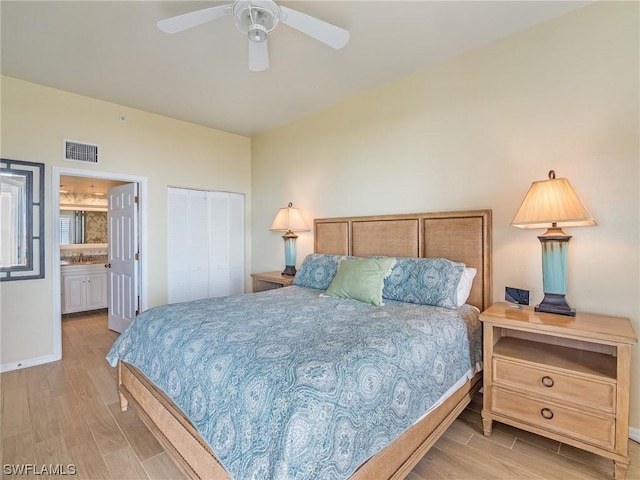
(463, 236)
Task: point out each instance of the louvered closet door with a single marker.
(177, 258)
(226, 212)
(219, 219)
(236, 245)
(198, 245)
(205, 244)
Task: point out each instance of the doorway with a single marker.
(105, 178)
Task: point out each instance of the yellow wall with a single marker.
(470, 133)
(474, 133)
(36, 119)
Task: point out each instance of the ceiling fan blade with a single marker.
(258, 56)
(322, 31)
(193, 19)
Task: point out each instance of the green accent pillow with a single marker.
(361, 279)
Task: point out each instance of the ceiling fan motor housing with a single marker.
(256, 18)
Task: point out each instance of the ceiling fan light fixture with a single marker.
(257, 33)
(256, 18)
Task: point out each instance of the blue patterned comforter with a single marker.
(285, 384)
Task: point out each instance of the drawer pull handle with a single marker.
(546, 413)
(547, 381)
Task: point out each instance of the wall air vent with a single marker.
(81, 152)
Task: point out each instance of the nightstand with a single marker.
(270, 280)
(562, 377)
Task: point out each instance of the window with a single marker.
(65, 227)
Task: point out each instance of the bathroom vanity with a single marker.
(84, 287)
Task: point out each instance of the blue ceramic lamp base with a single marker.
(289, 253)
(555, 245)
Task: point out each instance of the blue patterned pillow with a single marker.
(427, 281)
(318, 270)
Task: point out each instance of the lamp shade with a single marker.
(552, 203)
(289, 219)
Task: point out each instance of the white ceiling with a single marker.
(113, 51)
(87, 185)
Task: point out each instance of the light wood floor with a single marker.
(68, 412)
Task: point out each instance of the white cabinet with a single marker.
(205, 244)
(84, 287)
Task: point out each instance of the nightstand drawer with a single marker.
(554, 384)
(599, 431)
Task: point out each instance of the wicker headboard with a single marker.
(463, 236)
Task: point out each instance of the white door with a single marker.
(122, 275)
(227, 243)
(219, 246)
(205, 244)
(177, 254)
(236, 244)
(197, 237)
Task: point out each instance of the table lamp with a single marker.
(289, 220)
(553, 204)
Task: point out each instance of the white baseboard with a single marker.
(634, 434)
(30, 362)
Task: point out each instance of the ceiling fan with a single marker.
(257, 19)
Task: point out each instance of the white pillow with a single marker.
(464, 285)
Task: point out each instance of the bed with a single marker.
(396, 447)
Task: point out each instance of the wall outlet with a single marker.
(516, 295)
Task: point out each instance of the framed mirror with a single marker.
(83, 226)
(22, 213)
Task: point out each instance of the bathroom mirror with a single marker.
(22, 213)
(82, 227)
